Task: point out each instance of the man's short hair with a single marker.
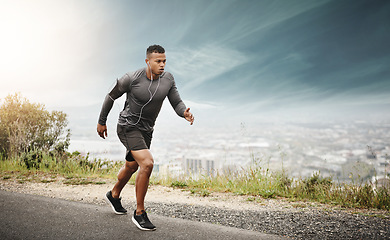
(154, 49)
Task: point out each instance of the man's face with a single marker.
(157, 62)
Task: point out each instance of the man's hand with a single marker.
(188, 116)
(102, 130)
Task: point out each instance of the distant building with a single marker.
(172, 167)
(198, 166)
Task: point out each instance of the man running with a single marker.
(145, 91)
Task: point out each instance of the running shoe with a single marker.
(142, 221)
(115, 203)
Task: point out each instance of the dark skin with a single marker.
(143, 158)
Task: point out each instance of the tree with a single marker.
(26, 126)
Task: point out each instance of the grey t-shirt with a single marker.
(144, 99)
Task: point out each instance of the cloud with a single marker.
(262, 16)
(201, 105)
(196, 66)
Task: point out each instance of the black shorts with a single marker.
(133, 139)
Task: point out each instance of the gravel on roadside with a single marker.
(305, 224)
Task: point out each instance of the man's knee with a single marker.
(148, 164)
(144, 159)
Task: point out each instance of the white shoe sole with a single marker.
(139, 226)
(113, 209)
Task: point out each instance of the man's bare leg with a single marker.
(145, 161)
(124, 176)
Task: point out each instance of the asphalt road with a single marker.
(25, 216)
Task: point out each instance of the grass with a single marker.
(45, 167)
(254, 182)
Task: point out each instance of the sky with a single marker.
(233, 61)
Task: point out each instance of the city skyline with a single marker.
(345, 151)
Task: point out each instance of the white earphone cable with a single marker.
(150, 99)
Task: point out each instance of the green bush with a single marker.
(315, 182)
(179, 184)
(382, 200)
(26, 127)
(32, 159)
